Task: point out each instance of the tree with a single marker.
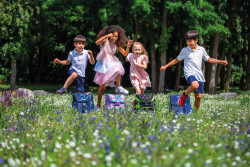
(15, 17)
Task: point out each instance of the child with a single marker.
(138, 64)
(108, 67)
(78, 59)
(192, 56)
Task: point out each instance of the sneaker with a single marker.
(61, 91)
(182, 99)
(121, 90)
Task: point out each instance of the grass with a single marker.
(47, 131)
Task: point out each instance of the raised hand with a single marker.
(56, 60)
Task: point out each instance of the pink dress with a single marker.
(138, 75)
(108, 65)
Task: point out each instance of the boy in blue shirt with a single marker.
(192, 56)
(78, 58)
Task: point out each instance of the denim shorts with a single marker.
(191, 79)
(79, 81)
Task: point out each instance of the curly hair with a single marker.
(121, 42)
(143, 50)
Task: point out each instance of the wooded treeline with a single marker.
(33, 33)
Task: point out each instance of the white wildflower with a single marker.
(87, 155)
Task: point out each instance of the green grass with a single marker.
(48, 132)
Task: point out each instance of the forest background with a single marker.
(33, 33)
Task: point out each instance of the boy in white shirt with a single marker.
(192, 56)
(78, 58)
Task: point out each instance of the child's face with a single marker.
(192, 43)
(79, 46)
(114, 38)
(137, 50)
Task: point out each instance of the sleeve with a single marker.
(129, 57)
(145, 58)
(70, 56)
(181, 56)
(205, 55)
(87, 54)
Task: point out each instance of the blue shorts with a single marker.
(191, 79)
(79, 81)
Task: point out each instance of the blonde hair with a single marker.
(143, 51)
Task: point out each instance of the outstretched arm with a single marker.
(173, 62)
(91, 59)
(212, 60)
(122, 51)
(103, 39)
(62, 62)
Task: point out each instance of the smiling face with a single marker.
(192, 43)
(114, 38)
(137, 50)
(79, 46)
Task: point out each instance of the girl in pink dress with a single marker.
(138, 64)
(108, 67)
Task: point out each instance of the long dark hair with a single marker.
(121, 42)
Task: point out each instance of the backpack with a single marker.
(178, 110)
(145, 102)
(115, 101)
(83, 102)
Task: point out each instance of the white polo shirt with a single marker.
(79, 61)
(193, 61)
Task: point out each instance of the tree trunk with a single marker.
(13, 74)
(211, 71)
(178, 69)
(153, 67)
(136, 30)
(229, 59)
(248, 67)
(222, 57)
(222, 78)
(164, 50)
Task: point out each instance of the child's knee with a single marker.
(74, 75)
(138, 91)
(195, 85)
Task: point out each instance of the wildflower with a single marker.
(208, 161)
(234, 163)
(108, 158)
(1, 161)
(133, 161)
(72, 154)
(58, 145)
(87, 155)
(188, 164)
(93, 163)
(237, 158)
(190, 151)
(12, 162)
(72, 144)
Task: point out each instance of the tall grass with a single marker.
(47, 131)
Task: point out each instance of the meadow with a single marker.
(47, 131)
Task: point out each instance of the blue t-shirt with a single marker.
(79, 61)
(193, 61)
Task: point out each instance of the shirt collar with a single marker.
(75, 52)
(198, 48)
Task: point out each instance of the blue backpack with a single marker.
(83, 102)
(178, 110)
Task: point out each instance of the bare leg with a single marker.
(100, 92)
(142, 91)
(137, 90)
(193, 87)
(70, 79)
(118, 80)
(197, 101)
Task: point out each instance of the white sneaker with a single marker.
(121, 90)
